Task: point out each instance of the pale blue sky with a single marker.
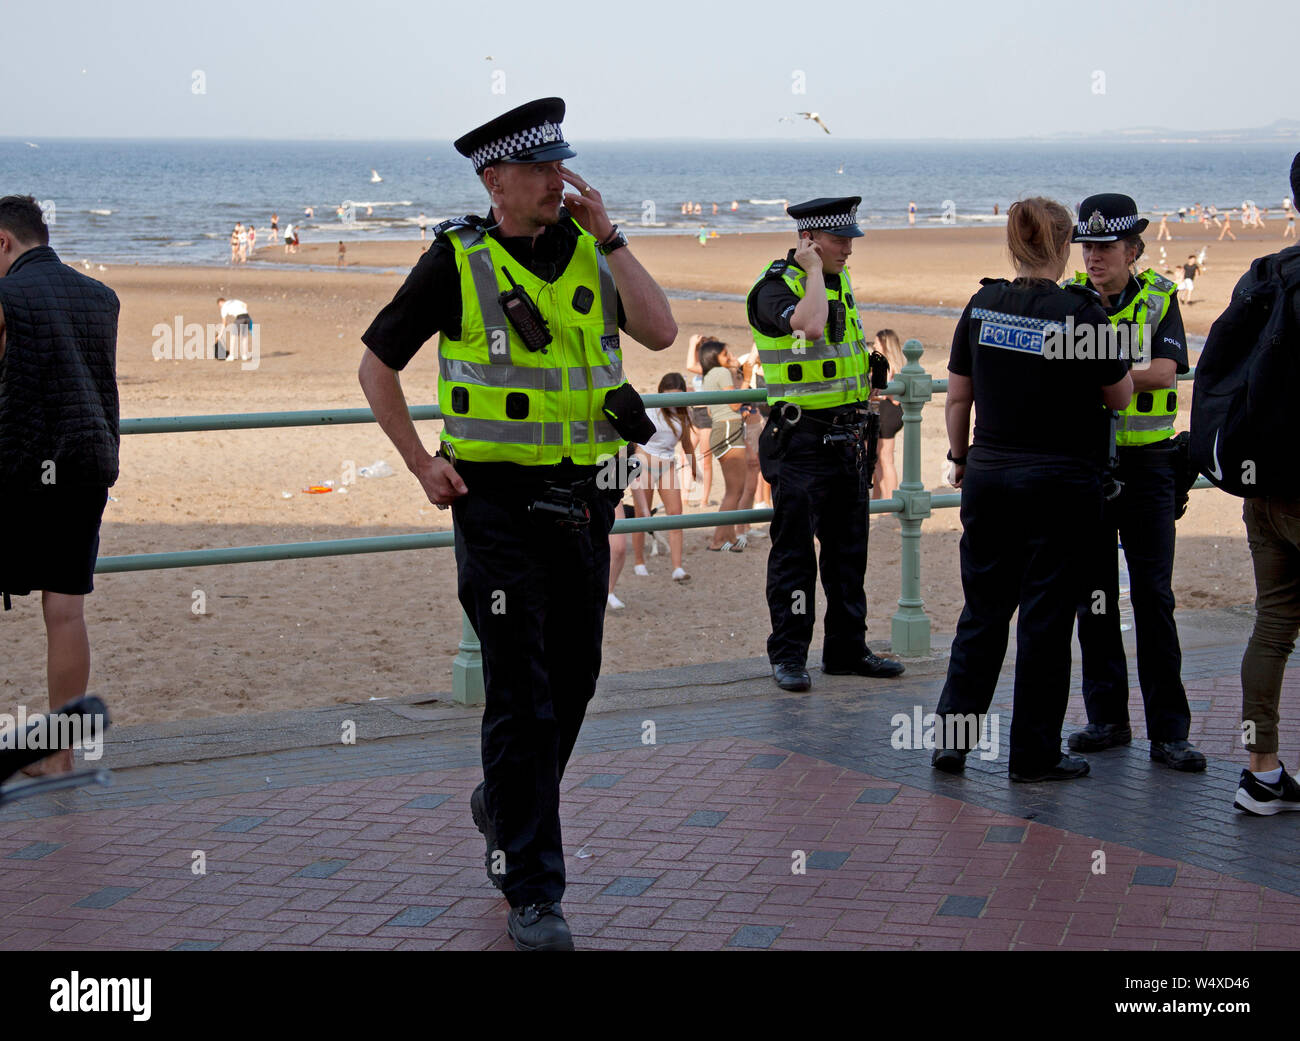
(387, 69)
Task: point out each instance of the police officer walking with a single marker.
(528, 304)
(817, 449)
(1144, 309)
(1030, 501)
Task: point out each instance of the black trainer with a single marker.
(1263, 800)
(1178, 755)
(539, 927)
(1097, 737)
(478, 810)
(1067, 769)
(789, 676)
(868, 665)
(949, 760)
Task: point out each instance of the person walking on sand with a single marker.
(911, 213)
(343, 251)
(1227, 227)
(1163, 233)
(252, 238)
(1190, 270)
(275, 229)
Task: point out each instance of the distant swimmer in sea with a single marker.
(697, 209)
(911, 213)
(423, 222)
(734, 205)
(309, 211)
(715, 209)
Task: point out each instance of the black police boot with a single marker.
(539, 927)
(1178, 755)
(789, 676)
(868, 665)
(1067, 769)
(1097, 737)
(949, 760)
(478, 809)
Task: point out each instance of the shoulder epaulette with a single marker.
(777, 268)
(468, 221)
(1085, 291)
(1159, 282)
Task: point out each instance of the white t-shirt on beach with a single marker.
(233, 309)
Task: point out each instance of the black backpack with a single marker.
(1245, 425)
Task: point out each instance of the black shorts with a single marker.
(891, 419)
(49, 538)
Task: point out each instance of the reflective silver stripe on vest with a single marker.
(489, 304)
(579, 430)
(816, 351)
(1129, 421)
(606, 376)
(519, 377)
(503, 431)
(785, 390)
(608, 296)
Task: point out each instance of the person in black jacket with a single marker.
(1031, 488)
(58, 438)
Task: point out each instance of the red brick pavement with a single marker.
(705, 887)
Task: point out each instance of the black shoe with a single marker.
(949, 760)
(1067, 769)
(791, 677)
(1263, 800)
(539, 927)
(478, 810)
(868, 665)
(1179, 755)
(1097, 737)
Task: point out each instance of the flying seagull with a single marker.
(815, 118)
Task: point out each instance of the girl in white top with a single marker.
(659, 471)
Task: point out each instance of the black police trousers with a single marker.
(1143, 516)
(816, 491)
(535, 592)
(1025, 518)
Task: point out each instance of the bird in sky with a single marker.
(816, 119)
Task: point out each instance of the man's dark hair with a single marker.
(21, 216)
(1295, 181)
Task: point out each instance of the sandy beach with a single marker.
(319, 632)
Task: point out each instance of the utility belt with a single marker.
(561, 494)
(843, 429)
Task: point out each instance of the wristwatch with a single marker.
(617, 240)
(957, 462)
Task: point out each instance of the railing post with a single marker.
(467, 667)
(909, 633)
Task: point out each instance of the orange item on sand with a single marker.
(317, 489)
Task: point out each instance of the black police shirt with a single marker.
(1025, 400)
(771, 303)
(429, 300)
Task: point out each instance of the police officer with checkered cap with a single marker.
(528, 304)
(816, 447)
(1144, 305)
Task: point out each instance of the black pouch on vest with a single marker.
(879, 370)
(626, 413)
(836, 321)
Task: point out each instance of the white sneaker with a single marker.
(640, 569)
(680, 575)
(756, 533)
(615, 602)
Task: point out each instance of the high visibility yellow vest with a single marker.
(822, 373)
(1149, 415)
(502, 402)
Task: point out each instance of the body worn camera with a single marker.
(523, 316)
(837, 316)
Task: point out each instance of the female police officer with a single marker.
(1031, 489)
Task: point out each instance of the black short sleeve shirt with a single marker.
(1024, 399)
(429, 300)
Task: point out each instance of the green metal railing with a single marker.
(909, 626)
